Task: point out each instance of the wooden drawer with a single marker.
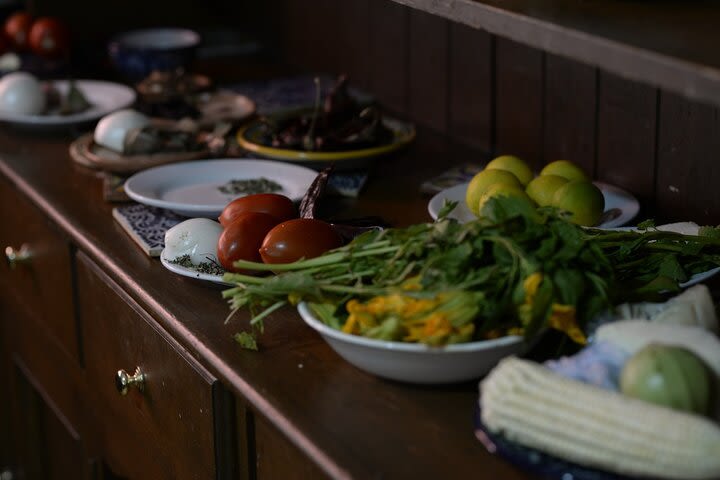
(165, 431)
(41, 285)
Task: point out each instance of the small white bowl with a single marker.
(413, 362)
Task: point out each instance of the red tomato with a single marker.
(279, 206)
(242, 238)
(17, 29)
(298, 238)
(49, 37)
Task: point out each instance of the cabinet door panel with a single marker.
(42, 283)
(46, 446)
(164, 431)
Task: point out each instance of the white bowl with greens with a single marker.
(416, 362)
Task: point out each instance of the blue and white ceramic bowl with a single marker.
(138, 53)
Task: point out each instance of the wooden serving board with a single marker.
(86, 152)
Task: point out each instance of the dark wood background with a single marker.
(499, 96)
(483, 92)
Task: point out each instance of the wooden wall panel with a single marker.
(351, 42)
(519, 101)
(428, 70)
(687, 171)
(388, 68)
(471, 94)
(306, 28)
(494, 96)
(570, 112)
(627, 114)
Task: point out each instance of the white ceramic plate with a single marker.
(620, 206)
(188, 272)
(191, 189)
(416, 363)
(105, 97)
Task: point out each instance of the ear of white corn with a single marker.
(533, 406)
(633, 335)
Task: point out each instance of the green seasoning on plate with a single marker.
(210, 268)
(250, 186)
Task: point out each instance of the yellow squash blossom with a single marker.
(445, 318)
(562, 317)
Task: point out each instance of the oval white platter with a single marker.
(192, 189)
(105, 97)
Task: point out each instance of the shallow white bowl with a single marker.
(416, 363)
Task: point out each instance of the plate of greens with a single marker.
(441, 284)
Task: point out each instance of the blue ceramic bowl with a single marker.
(137, 53)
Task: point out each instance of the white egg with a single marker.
(112, 129)
(197, 237)
(21, 93)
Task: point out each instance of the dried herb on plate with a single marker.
(210, 267)
(250, 186)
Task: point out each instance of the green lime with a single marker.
(514, 165)
(583, 200)
(566, 169)
(542, 189)
(484, 180)
(501, 190)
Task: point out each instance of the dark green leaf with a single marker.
(447, 207)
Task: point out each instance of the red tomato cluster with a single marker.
(44, 36)
(263, 228)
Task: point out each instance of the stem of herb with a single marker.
(323, 260)
(268, 311)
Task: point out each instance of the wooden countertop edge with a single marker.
(195, 348)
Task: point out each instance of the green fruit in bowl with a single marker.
(484, 180)
(542, 189)
(502, 190)
(583, 200)
(514, 165)
(565, 169)
(670, 376)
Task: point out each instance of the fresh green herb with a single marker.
(250, 186)
(246, 340)
(534, 269)
(210, 267)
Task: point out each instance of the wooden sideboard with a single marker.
(81, 301)
(85, 302)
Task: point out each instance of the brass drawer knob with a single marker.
(16, 257)
(125, 381)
